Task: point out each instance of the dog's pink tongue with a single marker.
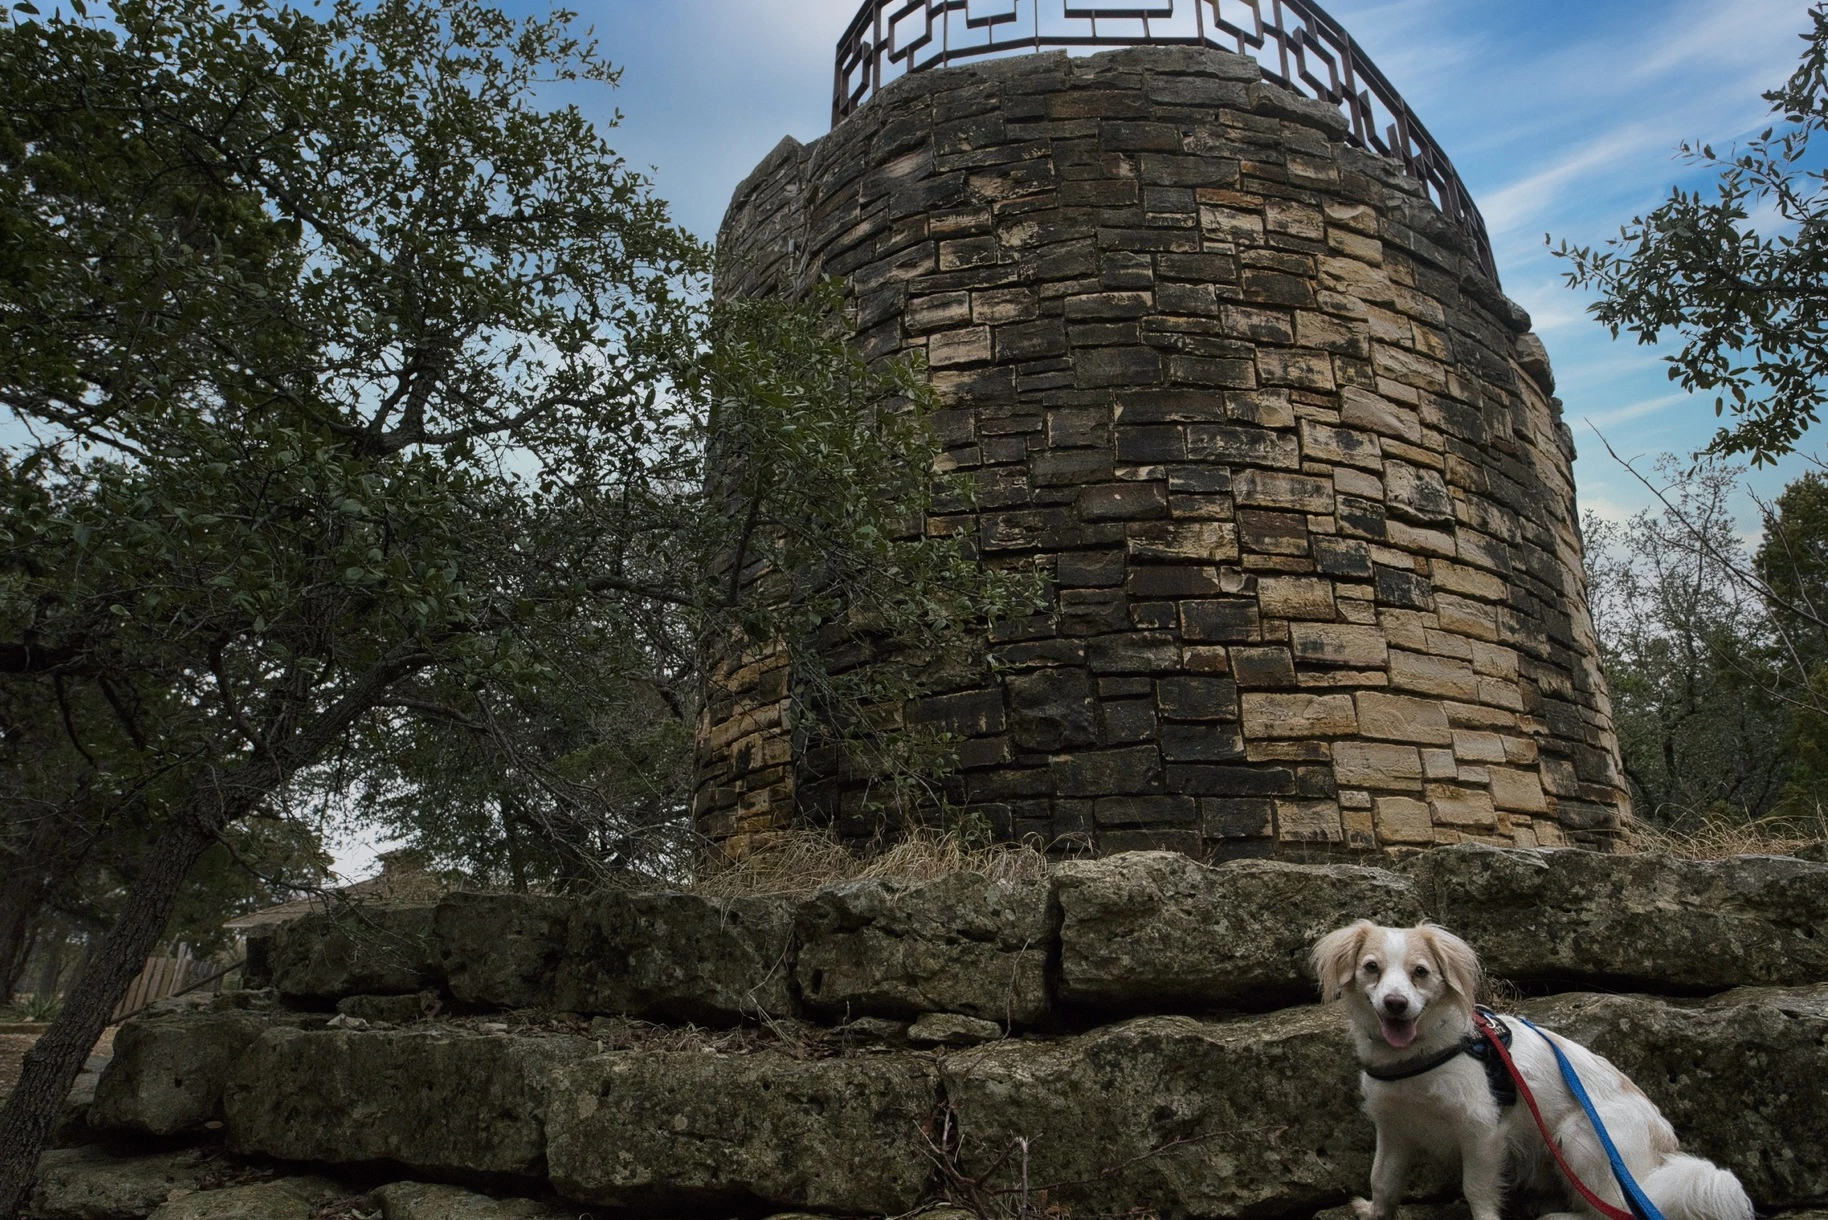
(1398, 1033)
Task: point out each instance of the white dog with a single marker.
(1409, 993)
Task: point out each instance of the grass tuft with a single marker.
(1720, 838)
(797, 862)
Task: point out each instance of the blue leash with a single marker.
(1635, 1198)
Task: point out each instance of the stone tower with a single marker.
(1237, 370)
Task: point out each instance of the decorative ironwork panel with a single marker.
(1297, 45)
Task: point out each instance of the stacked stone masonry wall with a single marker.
(1133, 1034)
(1292, 464)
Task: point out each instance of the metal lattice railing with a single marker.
(1298, 46)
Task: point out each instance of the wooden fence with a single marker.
(165, 976)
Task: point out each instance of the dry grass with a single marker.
(800, 861)
(1720, 839)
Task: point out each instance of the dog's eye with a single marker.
(1421, 972)
(1371, 968)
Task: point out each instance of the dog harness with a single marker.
(1504, 1089)
(1641, 1208)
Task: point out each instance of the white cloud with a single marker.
(1636, 410)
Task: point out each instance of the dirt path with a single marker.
(14, 1046)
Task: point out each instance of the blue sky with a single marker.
(1562, 115)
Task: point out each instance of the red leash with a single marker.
(1523, 1090)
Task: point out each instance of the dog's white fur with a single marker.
(1409, 994)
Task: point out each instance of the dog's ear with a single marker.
(1460, 967)
(1335, 958)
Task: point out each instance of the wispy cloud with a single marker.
(1636, 410)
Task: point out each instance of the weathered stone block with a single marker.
(1296, 597)
(1156, 928)
(1290, 492)
(1269, 717)
(1169, 1109)
(689, 1131)
(362, 949)
(1649, 921)
(1400, 718)
(502, 950)
(426, 1201)
(442, 1101)
(98, 1184)
(1339, 644)
(681, 956)
(1052, 709)
(1370, 764)
(170, 1067)
(960, 944)
(282, 1199)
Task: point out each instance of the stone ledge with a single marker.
(1201, 1118)
(961, 944)
(1141, 932)
(434, 1100)
(1156, 931)
(1647, 922)
(692, 1131)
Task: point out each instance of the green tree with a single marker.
(1687, 647)
(1749, 307)
(363, 392)
(1791, 569)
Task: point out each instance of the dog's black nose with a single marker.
(1396, 1005)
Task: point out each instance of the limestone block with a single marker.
(1288, 492)
(443, 1100)
(1053, 709)
(1308, 821)
(1156, 928)
(1361, 409)
(1402, 718)
(281, 1199)
(1401, 820)
(501, 950)
(1632, 920)
(1442, 676)
(1479, 747)
(1340, 446)
(1254, 1116)
(960, 944)
(363, 949)
(1294, 716)
(1369, 764)
(1453, 805)
(170, 1067)
(680, 956)
(1518, 790)
(689, 1131)
(97, 1184)
(426, 1201)
(1339, 644)
(1296, 597)
(1739, 1076)
(951, 1029)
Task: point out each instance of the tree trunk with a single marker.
(51, 1066)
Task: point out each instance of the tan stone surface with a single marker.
(1402, 718)
(1403, 820)
(1298, 716)
(1372, 764)
(1518, 790)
